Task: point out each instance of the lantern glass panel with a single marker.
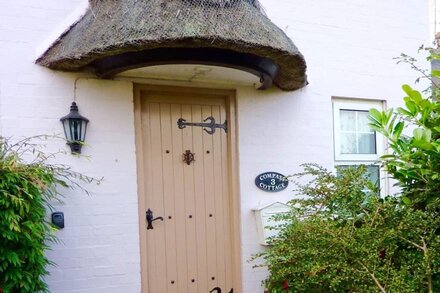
(66, 127)
(83, 129)
(75, 129)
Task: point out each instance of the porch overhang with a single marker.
(118, 35)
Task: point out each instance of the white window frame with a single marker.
(355, 105)
(359, 159)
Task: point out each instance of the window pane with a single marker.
(348, 143)
(348, 120)
(367, 143)
(374, 174)
(363, 122)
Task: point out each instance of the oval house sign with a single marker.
(271, 181)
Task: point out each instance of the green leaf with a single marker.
(421, 144)
(411, 106)
(375, 116)
(418, 134)
(390, 127)
(398, 128)
(426, 113)
(416, 96)
(406, 201)
(435, 73)
(404, 112)
(407, 89)
(427, 135)
(421, 134)
(388, 157)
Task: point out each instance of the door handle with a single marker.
(150, 219)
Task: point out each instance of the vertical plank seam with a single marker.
(210, 138)
(204, 195)
(214, 155)
(163, 189)
(227, 220)
(150, 159)
(173, 197)
(185, 205)
(140, 154)
(215, 201)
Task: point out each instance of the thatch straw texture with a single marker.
(112, 27)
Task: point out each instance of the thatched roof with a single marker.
(114, 27)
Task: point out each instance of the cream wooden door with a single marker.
(190, 250)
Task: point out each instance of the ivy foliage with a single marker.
(26, 189)
(341, 236)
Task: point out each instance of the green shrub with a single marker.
(414, 159)
(26, 190)
(343, 237)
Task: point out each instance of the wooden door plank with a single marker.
(148, 193)
(179, 194)
(208, 167)
(157, 203)
(219, 198)
(226, 205)
(174, 284)
(199, 187)
(186, 141)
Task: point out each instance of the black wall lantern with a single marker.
(75, 127)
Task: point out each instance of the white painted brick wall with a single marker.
(348, 45)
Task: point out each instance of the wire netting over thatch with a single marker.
(112, 27)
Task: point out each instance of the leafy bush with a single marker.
(342, 237)
(415, 159)
(26, 190)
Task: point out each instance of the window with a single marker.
(373, 172)
(355, 143)
(356, 136)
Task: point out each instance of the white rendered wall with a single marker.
(99, 249)
(349, 48)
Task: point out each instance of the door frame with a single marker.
(232, 158)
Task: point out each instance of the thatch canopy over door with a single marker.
(118, 35)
